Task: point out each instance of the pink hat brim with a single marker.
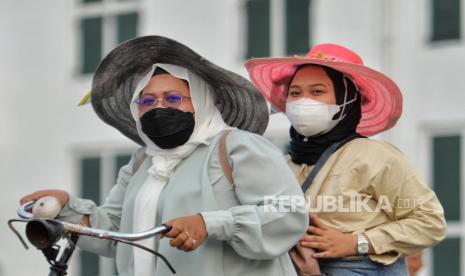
(381, 97)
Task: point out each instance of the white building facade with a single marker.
(49, 49)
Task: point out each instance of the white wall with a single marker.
(41, 126)
(32, 81)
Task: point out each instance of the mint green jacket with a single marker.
(247, 235)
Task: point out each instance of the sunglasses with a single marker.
(171, 99)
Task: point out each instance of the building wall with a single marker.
(42, 131)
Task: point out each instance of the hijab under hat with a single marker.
(208, 123)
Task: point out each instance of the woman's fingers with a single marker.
(179, 240)
(315, 230)
(185, 241)
(314, 245)
(34, 196)
(333, 244)
(187, 233)
(61, 195)
(188, 245)
(324, 254)
(316, 222)
(313, 238)
(174, 232)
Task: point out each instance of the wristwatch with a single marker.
(362, 244)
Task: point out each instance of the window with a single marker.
(91, 43)
(104, 24)
(446, 19)
(127, 26)
(446, 174)
(277, 27)
(258, 31)
(447, 257)
(98, 173)
(447, 182)
(297, 27)
(90, 189)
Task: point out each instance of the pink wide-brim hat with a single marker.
(381, 97)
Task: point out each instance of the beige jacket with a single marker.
(369, 187)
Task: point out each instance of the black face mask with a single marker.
(168, 127)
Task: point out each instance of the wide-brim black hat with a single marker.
(239, 102)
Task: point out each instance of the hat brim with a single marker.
(381, 97)
(239, 102)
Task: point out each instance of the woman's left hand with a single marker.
(187, 233)
(330, 242)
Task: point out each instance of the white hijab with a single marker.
(208, 123)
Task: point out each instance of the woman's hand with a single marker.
(330, 242)
(187, 233)
(61, 195)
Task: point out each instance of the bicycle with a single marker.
(45, 233)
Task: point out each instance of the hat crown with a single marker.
(334, 52)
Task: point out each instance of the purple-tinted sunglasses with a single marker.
(171, 99)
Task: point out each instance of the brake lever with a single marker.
(10, 224)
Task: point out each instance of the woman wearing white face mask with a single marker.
(369, 207)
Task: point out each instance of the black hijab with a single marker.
(308, 152)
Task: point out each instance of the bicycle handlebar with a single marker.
(44, 233)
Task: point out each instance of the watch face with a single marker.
(363, 248)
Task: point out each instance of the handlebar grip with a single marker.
(46, 207)
(168, 228)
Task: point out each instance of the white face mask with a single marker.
(310, 117)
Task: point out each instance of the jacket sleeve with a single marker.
(272, 216)
(416, 213)
(106, 216)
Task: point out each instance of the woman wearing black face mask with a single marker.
(166, 112)
(211, 188)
